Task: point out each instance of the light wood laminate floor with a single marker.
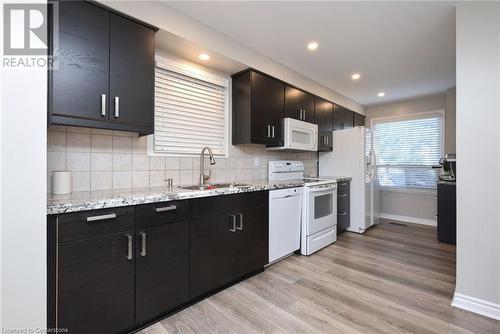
(394, 279)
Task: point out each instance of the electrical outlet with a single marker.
(257, 162)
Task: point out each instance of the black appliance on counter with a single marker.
(447, 200)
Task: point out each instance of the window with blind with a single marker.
(191, 111)
(406, 149)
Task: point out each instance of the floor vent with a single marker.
(399, 224)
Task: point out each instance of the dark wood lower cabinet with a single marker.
(114, 270)
(252, 233)
(95, 285)
(211, 253)
(447, 212)
(162, 270)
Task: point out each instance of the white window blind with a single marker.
(190, 111)
(406, 150)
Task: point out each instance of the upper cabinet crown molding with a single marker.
(103, 74)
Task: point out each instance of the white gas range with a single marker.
(319, 205)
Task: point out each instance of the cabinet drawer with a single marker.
(343, 187)
(88, 224)
(252, 200)
(212, 205)
(343, 202)
(343, 219)
(155, 214)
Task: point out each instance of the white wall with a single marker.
(23, 197)
(416, 207)
(23, 215)
(171, 20)
(451, 121)
(478, 145)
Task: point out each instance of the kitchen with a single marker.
(183, 182)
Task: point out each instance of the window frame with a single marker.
(408, 117)
(197, 72)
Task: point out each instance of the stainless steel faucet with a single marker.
(204, 177)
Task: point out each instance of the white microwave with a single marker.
(298, 136)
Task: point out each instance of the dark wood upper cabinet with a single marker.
(324, 119)
(359, 120)
(102, 55)
(81, 74)
(343, 118)
(299, 104)
(131, 87)
(258, 109)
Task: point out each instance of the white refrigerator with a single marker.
(353, 156)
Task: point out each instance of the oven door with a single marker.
(322, 210)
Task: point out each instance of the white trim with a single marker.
(408, 219)
(476, 305)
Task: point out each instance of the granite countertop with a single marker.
(338, 178)
(82, 201)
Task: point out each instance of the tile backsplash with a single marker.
(105, 160)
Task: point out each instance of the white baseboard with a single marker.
(407, 219)
(475, 305)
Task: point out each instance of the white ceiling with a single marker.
(405, 49)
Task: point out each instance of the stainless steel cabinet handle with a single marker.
(342, 214)
(268, 131)
(273, 131)
(304, 115)
(117, 106)
(103, 104)
(143, 243)
(167, 208)
(129, 247)
(327, 140)
(232, 227)
(239, 226)
(343, 184)
(101, 217)
(342, 195)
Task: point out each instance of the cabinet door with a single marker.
(211, 244)
(446, 213)
(293, 103)
(252, 236)
(95, 285)
(308, 106)
(359, 120)
(162, 268)
(81, 76)
(268, 110)
(324, 119)
(131, 72)
(342, 118)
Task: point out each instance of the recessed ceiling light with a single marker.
(204, 56)
(312, 46)
(381, 94)
(356, 76)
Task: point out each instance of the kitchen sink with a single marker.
(214, 186)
